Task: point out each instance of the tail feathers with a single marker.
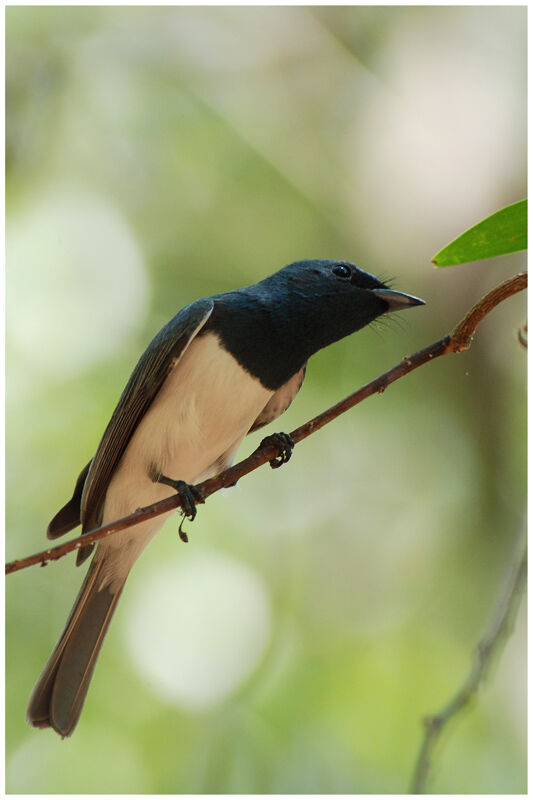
(59, 695)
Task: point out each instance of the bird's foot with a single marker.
(190, 496)
(285, 443)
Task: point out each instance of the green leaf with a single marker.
(501, 233)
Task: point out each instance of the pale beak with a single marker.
(397, 301)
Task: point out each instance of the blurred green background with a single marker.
(157, 155)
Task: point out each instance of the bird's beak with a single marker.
(397, 301)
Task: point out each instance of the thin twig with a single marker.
(499, 629)
(455, 342)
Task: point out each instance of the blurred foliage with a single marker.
(160, 154)
(503, 232)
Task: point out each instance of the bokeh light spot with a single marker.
(76, 282)
(198, 628)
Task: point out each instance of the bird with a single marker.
(222, 367)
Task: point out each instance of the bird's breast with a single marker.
(205, 407)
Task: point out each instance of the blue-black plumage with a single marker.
(223, 366)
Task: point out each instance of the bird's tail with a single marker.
(58, 697)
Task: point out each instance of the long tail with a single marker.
(60, 692)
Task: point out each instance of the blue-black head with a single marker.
(328, 300)
(277, 324)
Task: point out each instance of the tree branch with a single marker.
(500, 628)
(460, 339)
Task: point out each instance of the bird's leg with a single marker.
(190, 496)
(285, 443)
(188, 493)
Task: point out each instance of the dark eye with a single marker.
(341, 271)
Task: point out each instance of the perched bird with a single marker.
(222, 367)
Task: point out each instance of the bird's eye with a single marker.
(342, 271)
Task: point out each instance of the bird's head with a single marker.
(273, 327)
(330, 299)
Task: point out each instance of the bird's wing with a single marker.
(161, 355)
(68, 517)
(280, 400)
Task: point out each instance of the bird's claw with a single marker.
(285, 443)
(190, 496)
